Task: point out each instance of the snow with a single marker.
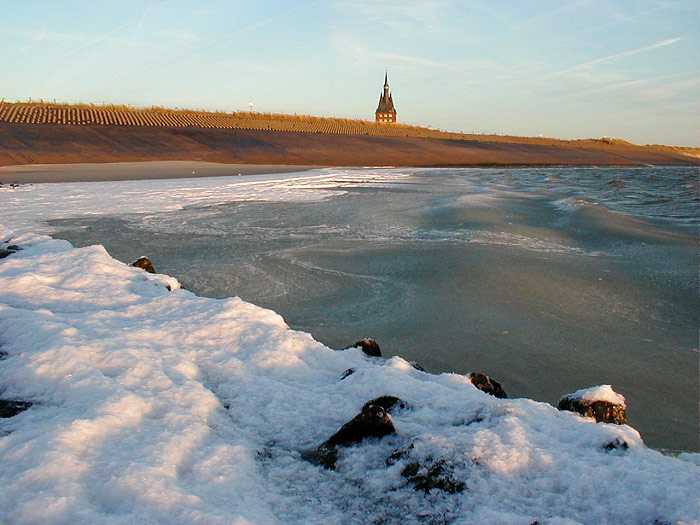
(30, 204)
(160, 406)
(154, 405)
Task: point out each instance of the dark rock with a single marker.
(347, 373)
(369, 347)
(372, 422)
(385, 402)
(603, 411)
(431, 476)
(486, 384)
(144, 263)
(425, 474)
(398, 455)
(11, 407)
(616, 444)
(416, 366)
(9, 250)
(411, 469)
(325, 456)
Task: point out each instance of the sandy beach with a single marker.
(115, 171)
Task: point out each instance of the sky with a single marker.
(570, 69)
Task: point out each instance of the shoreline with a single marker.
(143, 170)
(185, 169)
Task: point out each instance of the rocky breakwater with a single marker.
(424, 471)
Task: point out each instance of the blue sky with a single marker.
(561, 68)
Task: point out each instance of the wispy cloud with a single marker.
(229, 38)
(681, 91)
(638, 88)
(42, 36)
(419, 11)
(403, 18)
(175, 35)
(468, 71)
(143, 17)
(413, 62)
(251, 27)
(614, 57)
(109, 36)
(662, 6)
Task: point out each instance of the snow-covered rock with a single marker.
(373, 421)
(12, 407)
(487, 384)
(369, 347)
(158, 406)
(144, 263)
(601, 403)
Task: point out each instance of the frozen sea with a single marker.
(548, 280)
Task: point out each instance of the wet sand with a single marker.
(97, 172)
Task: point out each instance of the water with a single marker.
(548, 280)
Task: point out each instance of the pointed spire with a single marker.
(385, 110)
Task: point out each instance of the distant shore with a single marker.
(117, 171)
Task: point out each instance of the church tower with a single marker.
(385, 111)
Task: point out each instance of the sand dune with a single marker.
(56, 144)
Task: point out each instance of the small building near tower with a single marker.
(385, 110)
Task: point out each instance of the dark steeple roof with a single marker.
(386, 104)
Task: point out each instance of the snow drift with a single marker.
(158, 406)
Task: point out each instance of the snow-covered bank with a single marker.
(158, 406)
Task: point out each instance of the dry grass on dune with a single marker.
(121, 115)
